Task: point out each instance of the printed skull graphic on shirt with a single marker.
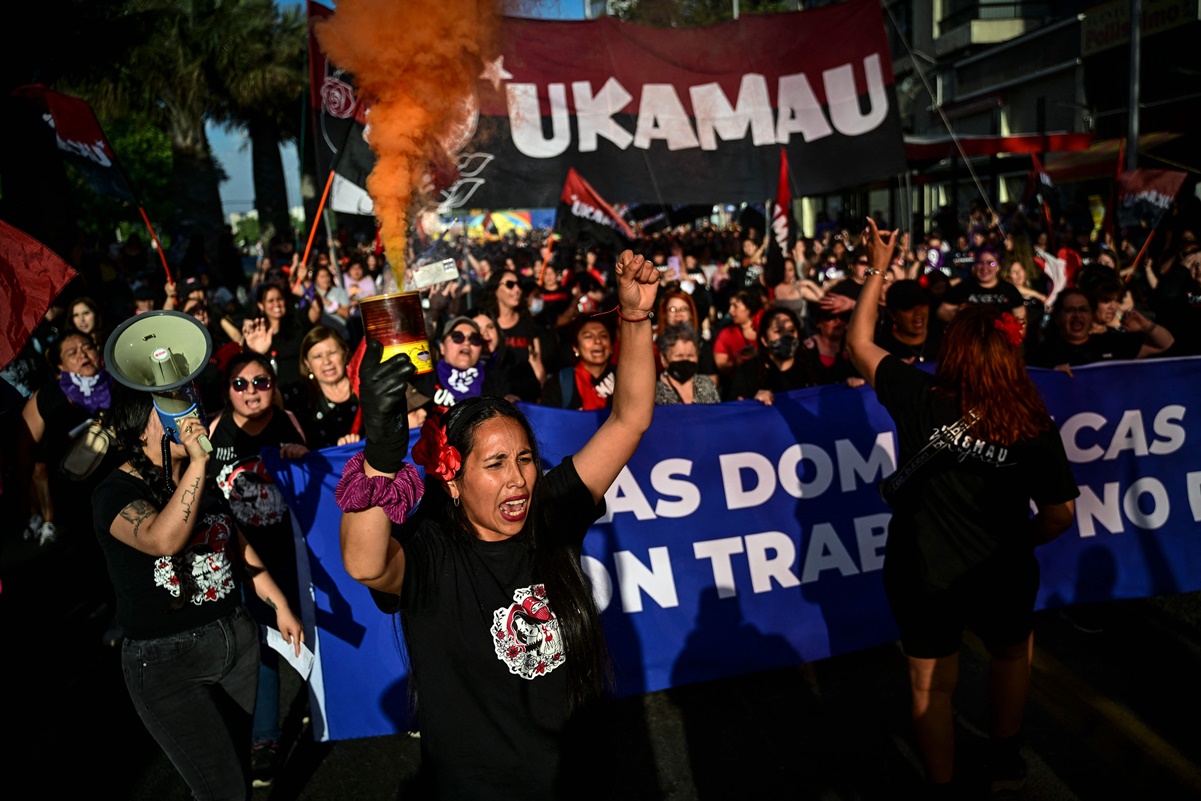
(205, 559)
(252, 495)
(525, 634)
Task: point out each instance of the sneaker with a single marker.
(33, 526)
(47, 534)
(262, 763)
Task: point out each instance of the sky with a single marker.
(232, 149)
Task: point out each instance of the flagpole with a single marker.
(157, 244)
(329, 182)
(1142, 252)
(313, 228)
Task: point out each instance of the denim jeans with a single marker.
(195, 693)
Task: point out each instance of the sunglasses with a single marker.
(458, 337)
(262, 383)
(509, 284)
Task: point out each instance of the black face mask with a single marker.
(783, 348)
(682, 371)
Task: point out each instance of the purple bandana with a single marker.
(87, 392)
(462, 383)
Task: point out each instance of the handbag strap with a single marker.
(937, 443)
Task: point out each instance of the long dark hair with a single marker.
(492, 305)
(129, 415)
(589, 672)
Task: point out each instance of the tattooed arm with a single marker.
(166, 531)
(269, 593)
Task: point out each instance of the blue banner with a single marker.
(743, 537)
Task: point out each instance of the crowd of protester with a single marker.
(528, 317)
(531, 318)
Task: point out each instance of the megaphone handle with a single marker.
(204, 443)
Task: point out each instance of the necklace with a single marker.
(918, 352)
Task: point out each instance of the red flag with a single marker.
(31, 276)
(781, 215)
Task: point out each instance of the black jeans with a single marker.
(195, 692)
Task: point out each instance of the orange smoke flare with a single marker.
(418, 61)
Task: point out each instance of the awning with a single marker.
(1098, 161)
(936, 148)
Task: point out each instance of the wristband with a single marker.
(357, 491)
(650, 315)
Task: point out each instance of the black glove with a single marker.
(382, 397)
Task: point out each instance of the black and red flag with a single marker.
(1144, 196)
(340, 119)
(81, 140)
(584, 216)
(780, 239)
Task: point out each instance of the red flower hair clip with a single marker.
(434, 453)
(1013, 329)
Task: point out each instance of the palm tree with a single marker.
(263, 85)
(178, 75)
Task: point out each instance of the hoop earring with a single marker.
(456, 500)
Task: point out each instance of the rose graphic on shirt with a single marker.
(525, 634)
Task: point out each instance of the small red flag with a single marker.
(781, 214)
(31, 276)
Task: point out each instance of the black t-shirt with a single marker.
(285, 346)
(1108, 346)
(520, 337)
(973, 500)
(60, 417)
(257, 503)
(760, 373)
(1004, 296)
(323, 421)
(485, 650)
(164, 594)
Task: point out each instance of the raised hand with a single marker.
(382, 389)
(880, 244)
(637, 284)
(256, 335)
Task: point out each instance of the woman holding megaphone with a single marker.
(177, 560)
(507, 651)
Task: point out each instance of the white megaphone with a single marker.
(162, 352)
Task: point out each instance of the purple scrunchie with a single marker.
(357, 491)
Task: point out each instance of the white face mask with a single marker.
(688, 286)
(536, 306)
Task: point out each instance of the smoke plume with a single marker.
(417, 61)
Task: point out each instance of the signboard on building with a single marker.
(1108, 26)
